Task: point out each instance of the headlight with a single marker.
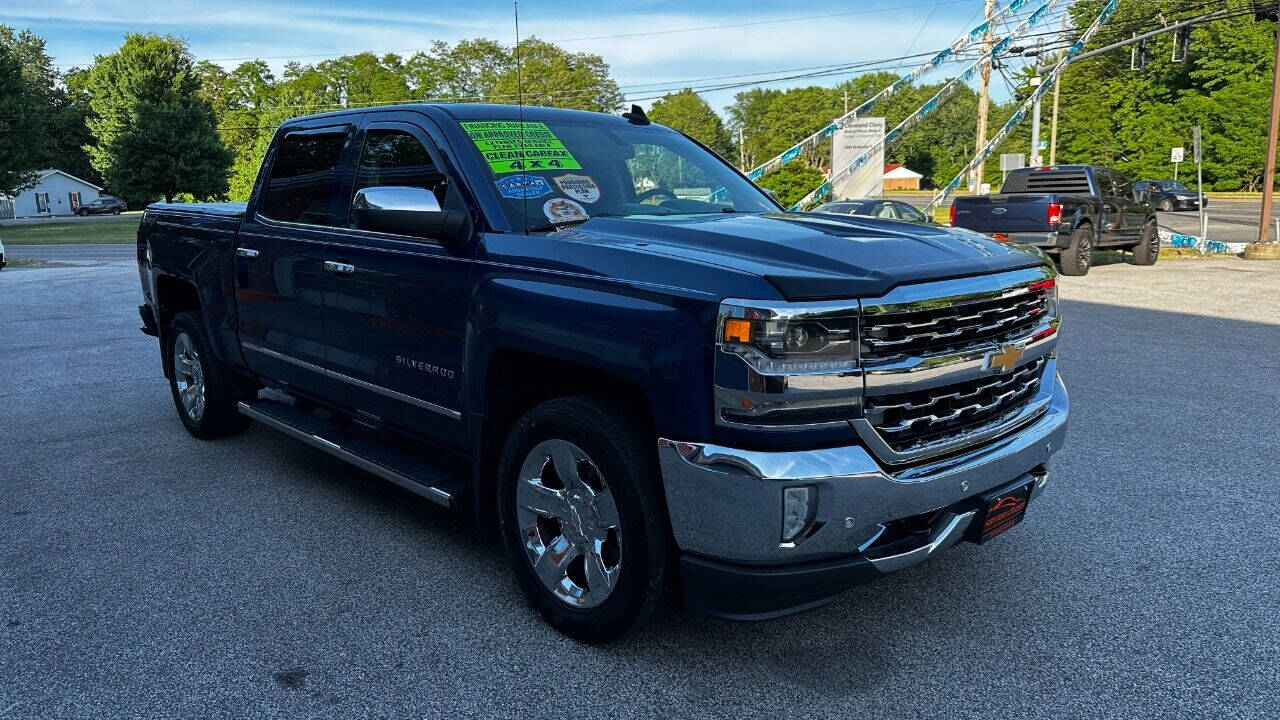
(787, 365)
(790, 341)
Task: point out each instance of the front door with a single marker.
(1135, 212)
(395, 317)
(279, 258)
(1113, 207)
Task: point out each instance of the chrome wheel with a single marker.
(188, 377)
(569, 524)
(1084, 253)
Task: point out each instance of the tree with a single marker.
(22, 124)
(465, 72)
(554, 77)
(155, 135)
(687, 112)
(792, 182)
(41, 125)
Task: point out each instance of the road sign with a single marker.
(1044, 144)
(1036, 161)
(1012, 161)
(1177, 155)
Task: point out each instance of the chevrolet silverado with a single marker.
(542, 318)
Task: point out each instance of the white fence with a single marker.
(6, 208)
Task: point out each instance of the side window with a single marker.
(885, 210)
(906, 212)
(396, 158)
(1124, 188)
(300, 188)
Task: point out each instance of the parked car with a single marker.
(758, 408)
(102, 206)
(1067, 210)
(1169, 195)
(888, 209)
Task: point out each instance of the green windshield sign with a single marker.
(505, 151)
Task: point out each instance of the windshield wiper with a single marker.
(560, 225)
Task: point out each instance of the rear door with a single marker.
(280, 252)
(395, 319)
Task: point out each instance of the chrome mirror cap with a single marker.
(396, 198)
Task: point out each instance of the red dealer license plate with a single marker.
(1004, 509)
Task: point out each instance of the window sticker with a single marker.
(523, 187)
(501, 145)
(560, 210)
(579, 187)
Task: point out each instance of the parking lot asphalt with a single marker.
(77, 253)
(148, 574)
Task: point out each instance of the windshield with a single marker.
(567, 172)
(1170, 185)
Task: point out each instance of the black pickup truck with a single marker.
(1067, 210)
(543, 319)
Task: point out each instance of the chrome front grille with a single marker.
(920, 329)
(932, 356)
(909, 420)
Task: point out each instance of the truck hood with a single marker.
(811, 256)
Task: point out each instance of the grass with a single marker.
(123, 230)
(12, 263)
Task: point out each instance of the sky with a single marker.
(650, 45)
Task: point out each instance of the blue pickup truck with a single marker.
(543, 319)
(1068, 211)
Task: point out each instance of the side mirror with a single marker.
(412, 211)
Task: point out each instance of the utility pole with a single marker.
(1036, 160)
(987, 41)
(846, 101)
(742, 152)
(1057, 83)
(1263, 249)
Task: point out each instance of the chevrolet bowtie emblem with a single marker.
(1006, 358)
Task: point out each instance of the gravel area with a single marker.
(146, 574)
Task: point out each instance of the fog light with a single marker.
(798, 505)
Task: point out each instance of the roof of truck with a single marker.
(485, 111)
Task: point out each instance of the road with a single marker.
(75, 253)
(148, 574)
(21, 222)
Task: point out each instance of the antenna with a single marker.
(524, 201)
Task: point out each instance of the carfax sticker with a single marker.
(512, 146)
(579, 187)
(560, 210)
(523, 187)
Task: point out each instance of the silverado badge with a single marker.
(1006, 358)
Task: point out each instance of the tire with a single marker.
(204, 391)
(1077, 257)
(82, 213)
(610, 463)
(115, 211)
(1147, 251)
(1166, 205)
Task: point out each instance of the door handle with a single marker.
(245, 252)
(338, 267)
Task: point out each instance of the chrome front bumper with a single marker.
(726, 504)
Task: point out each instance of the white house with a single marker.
(899, 177)
(55, 193)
